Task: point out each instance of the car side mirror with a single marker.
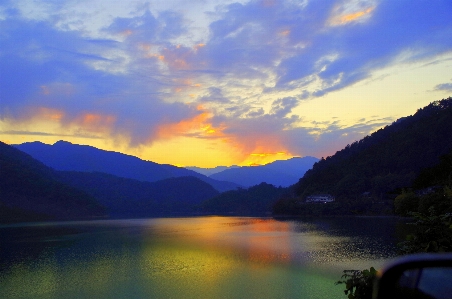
(416, 276)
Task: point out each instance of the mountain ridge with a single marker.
(370, 173)
(278, 173)
(66, 156)
(30, 191)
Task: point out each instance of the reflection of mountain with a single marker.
(30, 191)
(72, 157)
(279, 173)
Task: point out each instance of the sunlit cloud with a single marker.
(200, 125)
(342, 15)
(95, 122)
(134, 74)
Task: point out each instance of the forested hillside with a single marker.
(29, 191)
(432, 189)
(128, 198)
(387, 160)
(367, 175)
(256, 200)
(65, 156)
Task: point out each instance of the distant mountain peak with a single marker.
(65, 156)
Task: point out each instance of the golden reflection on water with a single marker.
(205, 257)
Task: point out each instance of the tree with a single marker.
(358, 284)
(433, 233)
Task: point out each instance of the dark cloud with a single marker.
(33, 133)
(42, 66)
(355, 49)
(282, 107)
(322, 141)
(144, 73)
(444, 86)
(215, 96)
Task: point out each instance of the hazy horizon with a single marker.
(217, 83)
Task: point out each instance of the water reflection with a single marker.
(205, 257)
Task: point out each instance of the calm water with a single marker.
(203, 257)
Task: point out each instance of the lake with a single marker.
(199, 257)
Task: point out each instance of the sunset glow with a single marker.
(208, 83)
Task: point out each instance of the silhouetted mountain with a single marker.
(431, 192)
(66, 156)
(279, 173)
(210, 171)
(437, 175)
(29, 191)
(132, 198)
(380, 164)
(256, 200)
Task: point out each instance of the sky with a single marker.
(209, 82)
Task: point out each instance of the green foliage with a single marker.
(406, 202)
(388, 159)
(439, 198)
(358, 284)
(393, 158)
(255, 200)
(433, 233)
(29, 191)
(132, 198)
(438, 175)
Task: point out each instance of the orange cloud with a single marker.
(344, 18)
(179, 58)
(259, 149)
(198, 125)
(95, 122)
(49, 114)
(199, 46)
(285, 32)
(184, 84)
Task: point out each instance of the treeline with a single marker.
(432, 189)
(367, 175)
(388, 159)
(256, 200)
(128, 198)
(29, 191)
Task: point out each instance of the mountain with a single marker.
(279, 173)
(378, 166)
(210, 171)
(65, 156)
(129, 198)
(30, 192)
(256, 200)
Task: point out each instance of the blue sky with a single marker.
(211, 83)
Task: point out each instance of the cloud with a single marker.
(348, 52)
(282, 107)
(34, 133)
(94, 84)
(146, 73)
(444, 86)
(214, 95)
